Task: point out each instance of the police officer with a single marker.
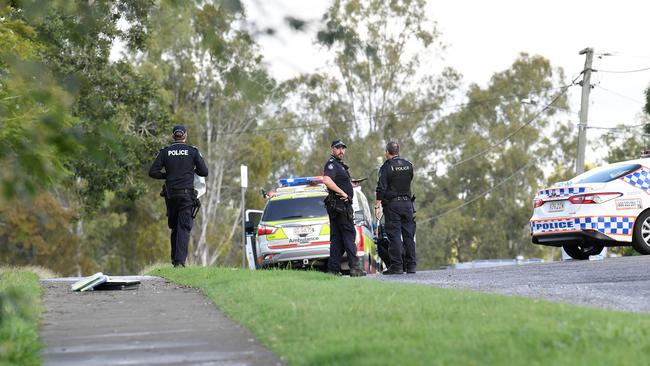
(394, 195)
(180, 161)
(342, 232)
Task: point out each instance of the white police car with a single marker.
(294, 228)
(606, 206)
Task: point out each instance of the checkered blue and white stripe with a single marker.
(639, 179)
(561, 192)
(614, 225)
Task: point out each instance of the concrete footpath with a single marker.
(159, 323)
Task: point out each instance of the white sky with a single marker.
(485, 37)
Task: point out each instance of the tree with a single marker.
(78, 125)
(216, 84)
(646, 108)
(626, 143)
(489, 159)
(34, 233)
(378, 90)
(35, 125)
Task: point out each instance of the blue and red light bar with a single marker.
(302, 181)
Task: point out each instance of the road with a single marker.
(159, 323)
(614, 283)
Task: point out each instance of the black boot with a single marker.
(355, 270)
(393, 270)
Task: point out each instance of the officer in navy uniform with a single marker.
(342, 232)
(394, 195)
(180, 161)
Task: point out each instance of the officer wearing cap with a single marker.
(339, 209)
(394, 195)
(176, 164)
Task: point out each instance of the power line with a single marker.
(435, 107)
(492, 146)
(618, 128)
(620, 136)
(257, 130)
(424, 109)
(479, 195)
(620, 95)
(623, 71)
(647, 57)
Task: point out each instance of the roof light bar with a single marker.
(302, 181)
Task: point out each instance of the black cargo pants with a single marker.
(342, 235)
(179, 219)
(400, 229)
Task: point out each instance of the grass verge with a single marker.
(316, 319)
(20, 307)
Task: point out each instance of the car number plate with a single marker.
(555, 206)
(301, 230)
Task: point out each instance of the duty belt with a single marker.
(183, 190)
(401, 198)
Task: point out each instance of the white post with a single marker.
(244, 185)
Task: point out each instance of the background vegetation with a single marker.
(20, 308)
(79, 129)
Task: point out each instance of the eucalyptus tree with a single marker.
(78, 125)
(385, 81)
(489, 158)
(646, 108)
(216, 84)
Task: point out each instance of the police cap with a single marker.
(339, 143)
(179, 131)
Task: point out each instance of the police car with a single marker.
(294, 228)
(606, 206)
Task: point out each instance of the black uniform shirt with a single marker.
(394, 180)
(179, 161)
(338, 171)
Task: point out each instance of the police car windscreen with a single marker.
(606, 174)
(294, 208)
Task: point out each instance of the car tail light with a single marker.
(266, 230)
(593, 198)
(359, 239)
(538, 202)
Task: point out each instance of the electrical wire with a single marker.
(436, 107)
(426, 108)
(466, 203)
(620, 95)
(498, 143)
(618, 128)
(622, 71)
(258, 130)
(630, 56)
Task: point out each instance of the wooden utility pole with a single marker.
(584, 110)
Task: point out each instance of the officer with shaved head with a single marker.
(395, 197)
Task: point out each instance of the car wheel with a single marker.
(641, 237)
(582, 251)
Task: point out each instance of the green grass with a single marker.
(315, 319)
(20, 306)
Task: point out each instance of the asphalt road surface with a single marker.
(613, 283)
(158, 323)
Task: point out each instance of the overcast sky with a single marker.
(485, 37)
